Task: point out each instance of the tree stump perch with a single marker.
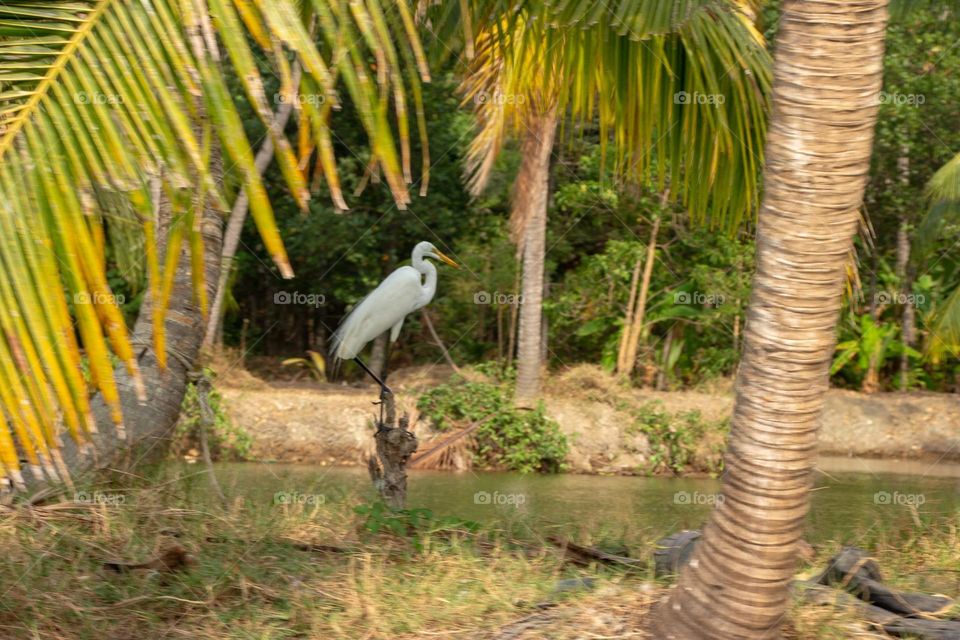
(395, 444)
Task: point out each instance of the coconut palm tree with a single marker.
(113, 117)
(827, 78)
(681, 91)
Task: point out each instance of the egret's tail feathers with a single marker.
(343, 342)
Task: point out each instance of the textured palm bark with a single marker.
(827, 77)
(149, 424)
(530, 219)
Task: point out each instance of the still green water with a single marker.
(855, 502)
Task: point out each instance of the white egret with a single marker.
(386, 307)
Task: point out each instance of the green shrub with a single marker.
(226, 440)
(676, 440)
(516, 439)
(414, 524)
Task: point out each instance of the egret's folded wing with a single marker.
(382, 309)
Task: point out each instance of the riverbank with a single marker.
(276, 560)
(330, 424)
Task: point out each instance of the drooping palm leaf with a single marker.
(944, 336)
(943, 191)
(681, 88)
(108, 107)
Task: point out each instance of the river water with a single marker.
(854, 502)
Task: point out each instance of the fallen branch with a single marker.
(586, 555)
(459, 435)
(436, 339)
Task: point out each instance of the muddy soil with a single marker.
(321, 423)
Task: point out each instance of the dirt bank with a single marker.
(330, 424)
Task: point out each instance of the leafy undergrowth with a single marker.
(285, 564)
(507, 437)
(680, 443)
(288, 565)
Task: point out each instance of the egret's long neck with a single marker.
(429, 283)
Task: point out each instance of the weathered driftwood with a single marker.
(899, 613)
(395, 444)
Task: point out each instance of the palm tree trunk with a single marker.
(530, 206)
(827, 77)
(149, 424)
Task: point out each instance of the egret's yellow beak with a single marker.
(447, 259)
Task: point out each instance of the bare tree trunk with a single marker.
(639, 314)
(231, 237)
(514, 315)
(908, 310)
(530, 205)
(149, 424)
(437, 341)
(378, 355)
(500, 333)
(903, 272)
(628, 317)
(827, 77)
(664, 359)
(395, 444)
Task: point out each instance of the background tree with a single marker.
(675, 91)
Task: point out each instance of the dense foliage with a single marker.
(226, 440)
(598, 232)
(677, 441)
(507, 438)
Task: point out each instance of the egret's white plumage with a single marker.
(386, 307)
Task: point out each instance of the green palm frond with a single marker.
(108, 107)
(944, 337)
(680, 88)
(943, 191)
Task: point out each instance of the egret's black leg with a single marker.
(383, 386)
(384, 389)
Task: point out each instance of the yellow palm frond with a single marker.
(106, 106)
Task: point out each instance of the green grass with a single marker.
(403, 576)
(250, 580)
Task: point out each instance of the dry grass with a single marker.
(253, 579)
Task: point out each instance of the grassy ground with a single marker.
(417, 576)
